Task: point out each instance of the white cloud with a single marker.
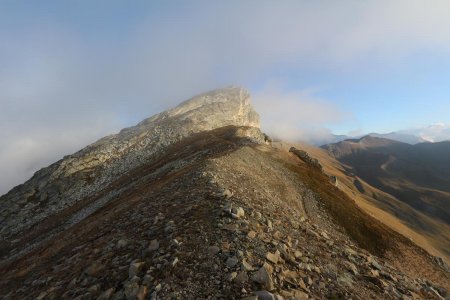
(435, 133)
(299, 115)
(24, 152)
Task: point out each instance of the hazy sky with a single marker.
(73, 71)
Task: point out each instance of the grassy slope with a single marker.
(382, 206)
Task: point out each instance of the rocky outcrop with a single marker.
(87, 172)
(303, 155)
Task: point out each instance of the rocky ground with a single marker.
(217, 216)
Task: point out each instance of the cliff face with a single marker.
(88, 171)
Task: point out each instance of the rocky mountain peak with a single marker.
(221, 107)
(86, 172)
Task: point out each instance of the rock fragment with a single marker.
(237, 212)
(135, 269)
(242, 277)
(227, 194)
(213, 250)
(154, 245)
(273, 257)
(265, 295)
(122, 243)
(232, 261)
(264, 278)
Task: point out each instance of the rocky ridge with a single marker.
(218, 214)
(87, 172)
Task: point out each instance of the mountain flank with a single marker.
(85, 173)
(196, 203)
(414, 178)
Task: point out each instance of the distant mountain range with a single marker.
(416, 175)
(434, 133)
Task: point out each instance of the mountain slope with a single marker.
(417, 177)
(85, 173)
(217, 214)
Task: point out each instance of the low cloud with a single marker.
(296, 115)
(25, 153)
(437, 132)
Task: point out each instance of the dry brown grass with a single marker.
(373, 202)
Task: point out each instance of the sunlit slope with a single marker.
(430, 234)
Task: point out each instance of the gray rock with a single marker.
(131, 291)
(232, 261)
(135, 278)
(170, 227)
(147, 280)
(228, 207)
(265, 295)
(213, 250)
(154, 245)
(122, 243)
(263, 277)
(135, 269)
(346, 279)
(303, 155)
(376, 265)
(242, 277)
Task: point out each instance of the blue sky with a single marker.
(74, 71)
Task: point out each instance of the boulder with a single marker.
(263, 277)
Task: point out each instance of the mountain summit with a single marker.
(86, 172)
(197, 203)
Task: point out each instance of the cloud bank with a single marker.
(63, 85)
(296, 115)
(437, 132)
